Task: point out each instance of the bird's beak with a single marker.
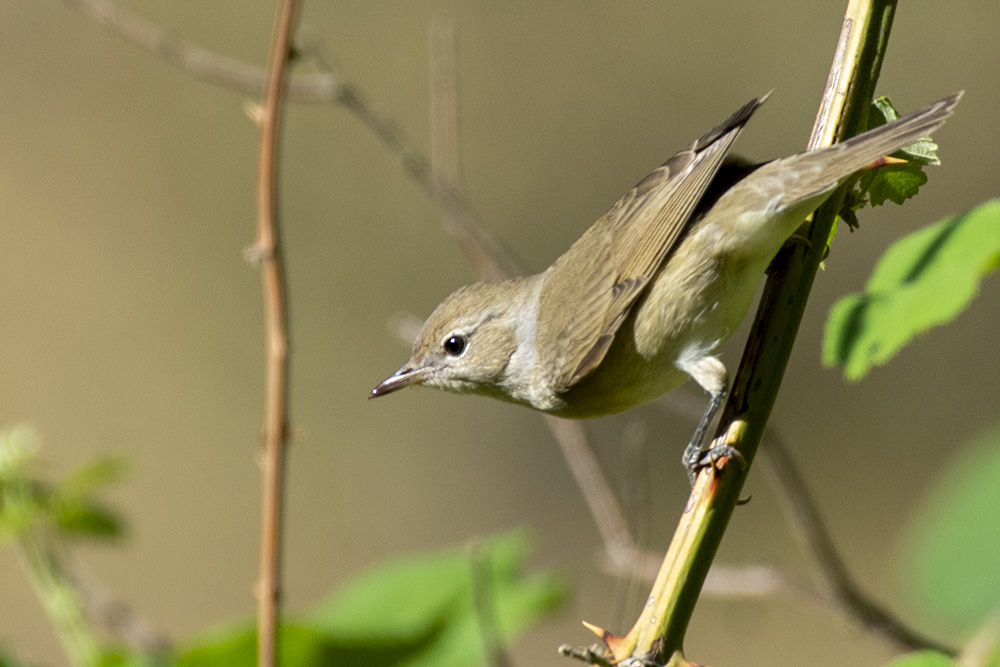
(404, 377)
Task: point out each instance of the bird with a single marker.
(644, 299)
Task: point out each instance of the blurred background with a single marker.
(132, 324)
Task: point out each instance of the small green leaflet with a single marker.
(925, 149)
(895, 183)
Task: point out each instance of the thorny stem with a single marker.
(659, 632)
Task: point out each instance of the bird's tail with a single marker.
(841, 160)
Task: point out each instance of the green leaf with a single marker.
(87, 520)
(923, 659)
(18, 451)
(92, 476)
(298, 647)
(924, 280)
(125, 656)
(20, 507)
(895, 183)
(415, 612)
(430, 598)
(73, 503)
(8, 658)
(950, 565)
(924, 149)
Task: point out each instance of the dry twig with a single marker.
(268, 251)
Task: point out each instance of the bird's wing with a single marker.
(596, 281)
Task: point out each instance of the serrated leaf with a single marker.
(950, 565)
(923, 659)
(895, 183)
(924, 280)
(924, 149)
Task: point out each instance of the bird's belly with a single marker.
(642, 363)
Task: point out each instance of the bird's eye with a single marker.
(454, 345)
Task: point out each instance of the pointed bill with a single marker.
(404, 377)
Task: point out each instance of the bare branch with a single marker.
(807, 523)
(201, 63)
(268, 248)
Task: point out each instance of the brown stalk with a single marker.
(268, 252)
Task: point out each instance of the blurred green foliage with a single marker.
(419, 611)
(923, 659)
(952, 562)
(416, 611)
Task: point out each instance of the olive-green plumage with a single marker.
(651, 290)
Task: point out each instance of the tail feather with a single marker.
(841, 160)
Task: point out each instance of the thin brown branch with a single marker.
(268, 248)
(201, 63)
(481, 251)
(612, 525)
(489, 261)
(807, 522)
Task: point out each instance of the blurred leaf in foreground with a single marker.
(922, 281)
(71, 504)
(950, 564)
(417, 611)
(923, 659)
(8, 659)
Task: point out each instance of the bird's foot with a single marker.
(720, 452)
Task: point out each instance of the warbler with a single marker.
(645, 298)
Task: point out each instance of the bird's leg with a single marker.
(711, 374)
(694, 453)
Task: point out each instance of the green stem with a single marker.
(659, 634)
(60, 598)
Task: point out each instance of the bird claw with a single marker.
(720, 453)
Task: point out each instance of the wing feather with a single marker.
(606, 270)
